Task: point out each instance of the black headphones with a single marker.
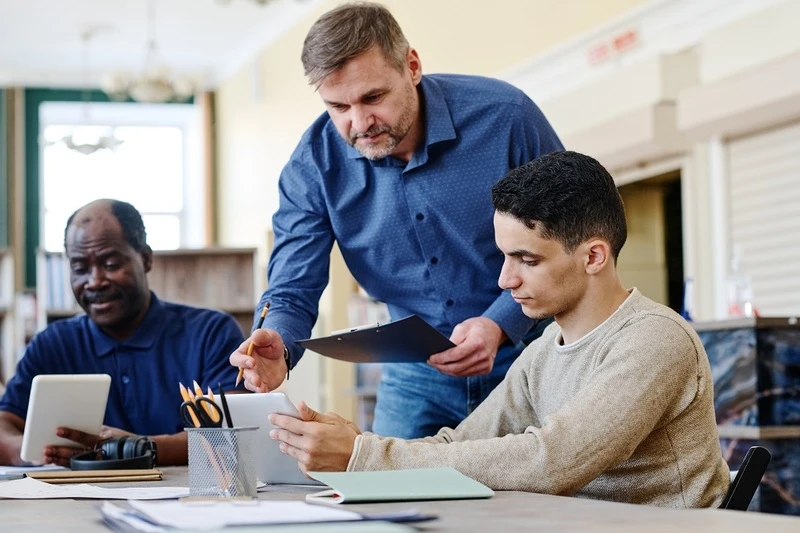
(129, 452)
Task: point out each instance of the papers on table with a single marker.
(31, 489)
(209, 515)
(215, 515)
(131, 520)
(29, 468)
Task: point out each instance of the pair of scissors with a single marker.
(201, 413)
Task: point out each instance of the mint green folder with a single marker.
(397, 485)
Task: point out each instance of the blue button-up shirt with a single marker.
(417, 235)
(174, 343)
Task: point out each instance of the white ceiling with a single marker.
(40, 40)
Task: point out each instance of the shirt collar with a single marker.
(438, 123)
(143, 338)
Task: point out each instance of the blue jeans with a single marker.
(416, 400)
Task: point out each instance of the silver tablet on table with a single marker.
(273, 466)
(76, 401)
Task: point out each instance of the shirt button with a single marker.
(449, 303)
(434, 260)
(126, 379)
(420, 216)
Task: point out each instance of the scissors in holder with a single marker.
(201, 413)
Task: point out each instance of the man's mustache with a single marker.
(100, 297)
(375, 130)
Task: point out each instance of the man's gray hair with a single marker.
(348, 31)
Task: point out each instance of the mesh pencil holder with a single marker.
(222, 462)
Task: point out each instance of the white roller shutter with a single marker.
(765, 216)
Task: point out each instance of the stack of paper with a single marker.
(10, 470)
(131, 520)
(32, 489)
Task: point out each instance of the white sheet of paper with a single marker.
(117, 514)
(33, 489)
(214, 515)
(29, 468)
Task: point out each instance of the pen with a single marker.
(225, 406)
(250, 348)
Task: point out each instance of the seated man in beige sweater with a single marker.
(613, 402)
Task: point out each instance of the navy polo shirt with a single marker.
(175, 343)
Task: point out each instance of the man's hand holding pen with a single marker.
(266, 368)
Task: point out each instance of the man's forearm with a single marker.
(10, 443)
(172, 449)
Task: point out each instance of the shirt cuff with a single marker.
(356, 448)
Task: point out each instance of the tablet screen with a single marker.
(76, 401)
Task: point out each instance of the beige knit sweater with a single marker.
(624, 414)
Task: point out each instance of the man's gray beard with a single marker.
(379, 152)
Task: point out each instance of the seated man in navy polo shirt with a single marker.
(147, 346)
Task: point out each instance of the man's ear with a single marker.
(414, 65)
(147, 258)
(597, 257)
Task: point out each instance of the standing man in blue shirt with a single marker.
(398, 172)
(147, 346)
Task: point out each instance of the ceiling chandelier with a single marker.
(101, 142)
(259, 2)
(156, 83)
(82, 138)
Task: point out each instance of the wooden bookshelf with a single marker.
(215, 278)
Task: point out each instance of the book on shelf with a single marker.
(54, 290)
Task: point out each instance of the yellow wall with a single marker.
(642, 262)
(257, 132)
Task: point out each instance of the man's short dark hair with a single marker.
(565, 196)
(129, 218)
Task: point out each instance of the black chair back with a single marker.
(747, 479)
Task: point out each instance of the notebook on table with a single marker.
(96, 476)
(397, 485)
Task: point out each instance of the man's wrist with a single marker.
(354, 453)
(287, 358)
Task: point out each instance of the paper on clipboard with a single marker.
(409, 340)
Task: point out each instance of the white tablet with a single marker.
(272, 466)
(76, 401)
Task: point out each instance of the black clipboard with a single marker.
(409, 340)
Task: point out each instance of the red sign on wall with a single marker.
(613, 45)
